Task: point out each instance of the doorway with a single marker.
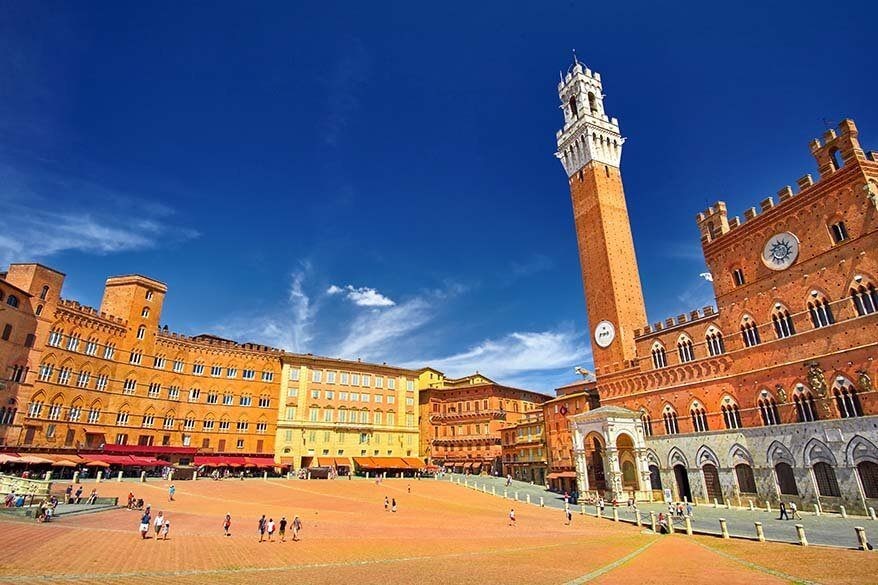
(682, 478)
(711, 483)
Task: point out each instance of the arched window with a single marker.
(865, 298)
(846, 399)
(786, 480)
(574, 110)
(592, 103)
(715, 343)
(699, 418)
(39, 310)
(738, 277)
(837, 159)
(647, 423)
(655, 477)
(783, 322)
(659, 357)
(141, 332)
(749, 332)
(820, 311)
(827, 484)
(746, 481)
(868, 472)
(803, 400)
(12, 301)
(684, 350)
(44, 293)
(768, 410)
(731, 415)
(145, 312)
(839, 232)
(670, 418)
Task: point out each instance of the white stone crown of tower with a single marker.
(588, 133)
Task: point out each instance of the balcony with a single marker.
(491, 414)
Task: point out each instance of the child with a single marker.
(393, 505)
(227, 524)
(166, 527)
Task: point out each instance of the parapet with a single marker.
(672, 322)
(835, 151)
(90, 311)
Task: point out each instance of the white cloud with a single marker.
(290, 329)
(532, 359)
(372, 333)
(362, 296)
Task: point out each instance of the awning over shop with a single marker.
(381, 463)
(413, 462)
(220, 461)
(333, 462)
(260, 461)
(149, 450)
(562, 474)
(124, 460)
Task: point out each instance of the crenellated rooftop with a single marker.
(681, 320)
(91, 312)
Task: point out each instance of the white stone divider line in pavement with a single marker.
(614, 565)
(755, 567)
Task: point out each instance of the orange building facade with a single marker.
(569, 401)
(768, 397)
(461, 420)
(523, 447)
(100, 378)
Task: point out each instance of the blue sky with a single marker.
(378, 181)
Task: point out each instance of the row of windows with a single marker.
(343, 415)
(350, 379)
(864, 298)
(74, 413)
(846, 398)
(351, 396)
(73, 342)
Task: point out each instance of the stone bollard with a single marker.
(48, 476)
(817, 508)
(493, 490)
(265, 475)
(119, 477)
(715, 503)
(768, 507)
(760, 535)
(752, 508)
(75, 477)
(800, 531)
(615, 514)
(861, 536)
(688, 522)
(527, 498)
(670, 524)
(728, 505)
(99, 476)
(637, 519)
(289, 475)
(142, 477)
(723, 527)
(582, 509)
(505, 494)
(542, 503)
(516, 496)
(367, 477)
(652, 521)
(195, 476)
(597, 512)
(872, 513)
(844, 513)
(171, 475)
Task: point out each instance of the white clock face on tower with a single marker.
(604, 334)
(780, 251)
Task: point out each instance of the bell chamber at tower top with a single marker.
(588, 133)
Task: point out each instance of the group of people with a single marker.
(161, 525)
(390, 504)
(46, 509)
(134, 503)
(789, 511)
(268, 527)
(679, 509)
(72, 497)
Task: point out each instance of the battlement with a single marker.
(218, 342)
(90, 311)
(671, 322)
(836, 151)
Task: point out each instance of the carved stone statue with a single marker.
(781, 393)
(864, 380)
(816, 379)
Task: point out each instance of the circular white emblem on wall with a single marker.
(780, 251)
(604, 334)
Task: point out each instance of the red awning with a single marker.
(260, 461)
(149, 450)
(560, 474)
(413, 462)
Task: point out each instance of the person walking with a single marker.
(601, 505)
(227, 524)
(689, 509)
(297, 526)
(144, 525)
(68, 493)
(512, 517)
(795, 511)
(386, 504)
(261, 528)
(282, 529)
(92, 497)
(78, 496)
(171, 491)
(158, 523)
(270, 529)
(166, 528)
(783, 512)
(568, 513)
(393, 505)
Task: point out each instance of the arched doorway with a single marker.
(628, 467)
(711, 483)
(682, 478)
(594, 456)
(655, 477)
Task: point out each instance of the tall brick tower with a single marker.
(590, 148)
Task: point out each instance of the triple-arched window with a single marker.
(803, 400)
(846, 399)
(670, 419)
(749, 332)
(865, 297)
(731, 415)
(820, 310)
(715, 343)
(783, 322)
(659, 356)
(768, 410)
(684, 350)
(699, 417)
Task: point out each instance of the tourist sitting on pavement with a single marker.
(92, 497)
(663, 523)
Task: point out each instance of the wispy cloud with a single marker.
(361, 296)
(374, 334)
(534, 359)
(535, 264)
(290, 328)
